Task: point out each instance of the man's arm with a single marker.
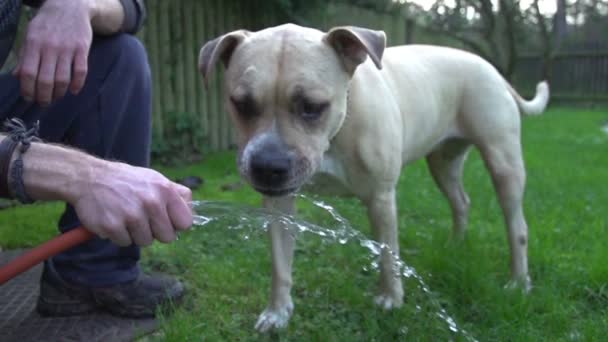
(107, 16)
(54, 55)
(124, 203)
(111, 16)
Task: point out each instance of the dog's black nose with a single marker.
(270, 169)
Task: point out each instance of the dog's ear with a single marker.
(354, 44)
(219, 48)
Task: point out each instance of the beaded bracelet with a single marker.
(7, 148)
(22, 136)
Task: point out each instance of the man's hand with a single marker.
(55, 51)
(128, 204)
(124, 203)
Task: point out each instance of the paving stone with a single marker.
(20, 322)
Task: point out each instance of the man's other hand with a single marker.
(55, 51)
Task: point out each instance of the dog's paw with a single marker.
(272, 319)
(388, 302)
(525, 285)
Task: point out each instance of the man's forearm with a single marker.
(112, 16)
(124, 203)
(54, 172)
(108, 16)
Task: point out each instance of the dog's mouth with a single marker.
(274, 173)
(277, 192)
(279, 187)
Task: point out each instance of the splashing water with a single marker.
(254, 220)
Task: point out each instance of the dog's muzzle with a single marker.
(271, 170)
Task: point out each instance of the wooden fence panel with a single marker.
(575, 76)
(173, 34)
(191, 85)
(175, 31)
(165, 70)
(199, 93)
(151, 40)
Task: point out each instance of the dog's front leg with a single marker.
(282, 238)
(382, 211)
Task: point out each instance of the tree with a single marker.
(576, 26)
(295, 10)
(560, 26)
(485, 28)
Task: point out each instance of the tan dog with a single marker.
(308, 103)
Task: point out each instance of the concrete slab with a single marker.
(20, 322)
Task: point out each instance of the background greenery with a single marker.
(569, 48)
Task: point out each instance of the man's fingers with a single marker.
(79, 72)
(184, 192)
(28, 71)
(179, 211)
(118, 234)
(63, 75)
(161, 226)
(140, 232)
(46, 77)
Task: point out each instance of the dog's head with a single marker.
(286, 91)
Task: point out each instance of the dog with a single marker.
(341, 113)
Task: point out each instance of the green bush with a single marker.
(182, 140)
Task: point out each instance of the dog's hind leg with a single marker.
(503, 157)
(382, 211)
(282, 238)
(446, 164)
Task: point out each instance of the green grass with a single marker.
(227, 270)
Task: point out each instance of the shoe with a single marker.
(135, 299)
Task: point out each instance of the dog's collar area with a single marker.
(345, 114)
(347, 98)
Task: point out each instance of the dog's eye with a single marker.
(311, 111)
(246, 107)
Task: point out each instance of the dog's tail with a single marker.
(537, 105)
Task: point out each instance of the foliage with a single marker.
(500, 30)
(589, 27)
(182, 141)
(294, 10)
(488, 28)
(566, 204)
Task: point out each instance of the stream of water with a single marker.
(251, 220)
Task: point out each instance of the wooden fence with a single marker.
(576, 77)
(174, 33)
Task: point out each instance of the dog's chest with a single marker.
(330, 179)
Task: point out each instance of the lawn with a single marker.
(228, 270)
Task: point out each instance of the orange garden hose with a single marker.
(44, 251)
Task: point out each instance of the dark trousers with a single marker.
(109, 118)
